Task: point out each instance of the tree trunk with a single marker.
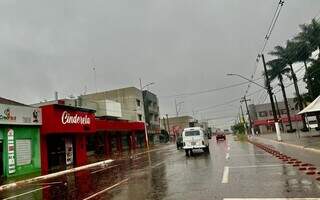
(308, 80)
(285, 102)
(305, 65)
(295, 82)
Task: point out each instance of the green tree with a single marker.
(238, 128)
(313, 73)
(288, 55)
(308, 40)
(310, 34)
(276, 70)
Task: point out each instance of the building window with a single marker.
(138, 102)
(263, 114)
(139, 117)
(23, 152)
(283, 111)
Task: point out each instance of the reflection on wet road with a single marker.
(232, 170)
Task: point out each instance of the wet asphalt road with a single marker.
(232, 170)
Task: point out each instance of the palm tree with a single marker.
(288, 55)
(310, 34)
(277, 68)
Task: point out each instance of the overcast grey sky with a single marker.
(182, 45)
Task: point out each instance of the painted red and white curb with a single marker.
(308, 168)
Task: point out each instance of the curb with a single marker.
(48, 176)
(291, 145)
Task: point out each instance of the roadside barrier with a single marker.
(104, 163)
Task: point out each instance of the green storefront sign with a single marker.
(19, 140)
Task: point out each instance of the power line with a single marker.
(266, 39)
(207, 91)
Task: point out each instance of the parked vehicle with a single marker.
(220, 136)
(195, 138)
(179, 142)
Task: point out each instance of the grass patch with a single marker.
(241, 137)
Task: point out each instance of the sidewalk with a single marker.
(303, 139)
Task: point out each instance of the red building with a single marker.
(70, 136)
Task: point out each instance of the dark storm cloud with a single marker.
(182, 45)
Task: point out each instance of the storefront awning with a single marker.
(312, 108)
(118, 125)
(266, 122)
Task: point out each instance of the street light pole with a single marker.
(144, 112)
(177, 106)
(269, 89)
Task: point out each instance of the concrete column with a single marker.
(81, 150)
(107, 144)
(44, 155)
(119, 142)
(133, 140)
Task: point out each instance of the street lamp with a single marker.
(269, 90)
(144, 113)
(251, 81)
(177, 106)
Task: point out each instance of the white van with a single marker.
(195, 138)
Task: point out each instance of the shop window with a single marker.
(139, 117)
(23, 152)
(125, 142)
(283, 111)
(90, 145)
(263, 114)
(138, 102)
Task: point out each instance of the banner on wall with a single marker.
(69, 151)
(23, 115)
(11, 160)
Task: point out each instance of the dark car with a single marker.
(220, 136)
(179, 142)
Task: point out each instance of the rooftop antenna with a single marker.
(85, 90)
(94, 75)
(56, 95)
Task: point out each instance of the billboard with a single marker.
(23, 115)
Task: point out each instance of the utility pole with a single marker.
(278, 111)
(245, 100)
(168, 123)
(243, 120)
(177, 106)
(144, 116)
(269, 89)
(164, 123)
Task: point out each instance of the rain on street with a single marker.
(233, 169)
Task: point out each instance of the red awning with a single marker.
(118, 125)
(266, 122)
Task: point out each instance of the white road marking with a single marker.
(271, 198)
(256, 166)
(244, 155)
(227, 156)
(106, 189)
(157, 165)
(225, 177)
(103, 169)
(29, 192)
